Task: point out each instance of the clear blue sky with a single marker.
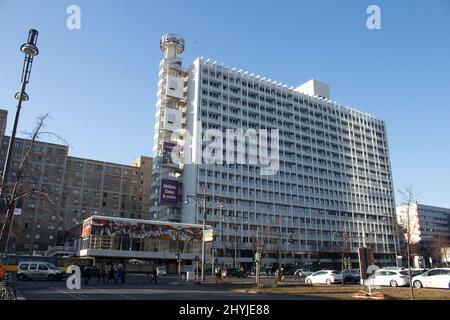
(99, 83)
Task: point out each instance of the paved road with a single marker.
(138, 287)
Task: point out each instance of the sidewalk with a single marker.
(19, 295)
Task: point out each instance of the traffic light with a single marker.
(291, 237)
(335, 236)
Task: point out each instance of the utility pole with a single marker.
(202, 206)
(278, 275)
(212, 262)
(257, 258)
(203, 237)
(279, 252)
(342, 257)
(235, 243)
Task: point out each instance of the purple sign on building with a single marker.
(169, 191)
(171, 154)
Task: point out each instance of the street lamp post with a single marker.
(30, 50)
(244, 220)
(203, 239)
(180, 247)
(203, 211)
(394, 221)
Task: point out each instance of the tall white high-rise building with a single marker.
(320, 186)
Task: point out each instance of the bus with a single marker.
(10, 262)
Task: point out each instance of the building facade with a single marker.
(429, 227)
(329, 187)
(74, 188)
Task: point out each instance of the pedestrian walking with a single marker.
(282, 275)
(111, 274)
(101, 275)
(279, 275)
(219, 275)
(155, 276)
(87, 275)
(121, 273)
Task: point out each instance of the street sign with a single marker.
(366, 259)
(208, 235)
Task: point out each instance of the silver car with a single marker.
(38, 270)
(161, 271)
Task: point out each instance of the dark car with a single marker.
(289, 271)
(351, 276)
(234, 272)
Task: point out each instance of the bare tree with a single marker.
(409, 221)
(24, 181)
(441, 248)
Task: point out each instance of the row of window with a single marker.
(236, 80)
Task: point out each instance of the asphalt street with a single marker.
(138, 287)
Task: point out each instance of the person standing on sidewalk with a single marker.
(101, 274)
(87, 275)
(111, 274)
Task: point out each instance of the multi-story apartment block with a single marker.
(330, 188)
(426, 223)
(78, 188)
(101, 188)
(3, 122)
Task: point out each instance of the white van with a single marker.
(38, 270)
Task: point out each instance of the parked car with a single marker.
(393, 268)
(263, 274)
(289, 271)
(351, 276)
(327, 277)
(234, 272)
(417, 272)
(302, 273)
(38, 270)
(434, 278)
(388, 277)
(161, 271)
